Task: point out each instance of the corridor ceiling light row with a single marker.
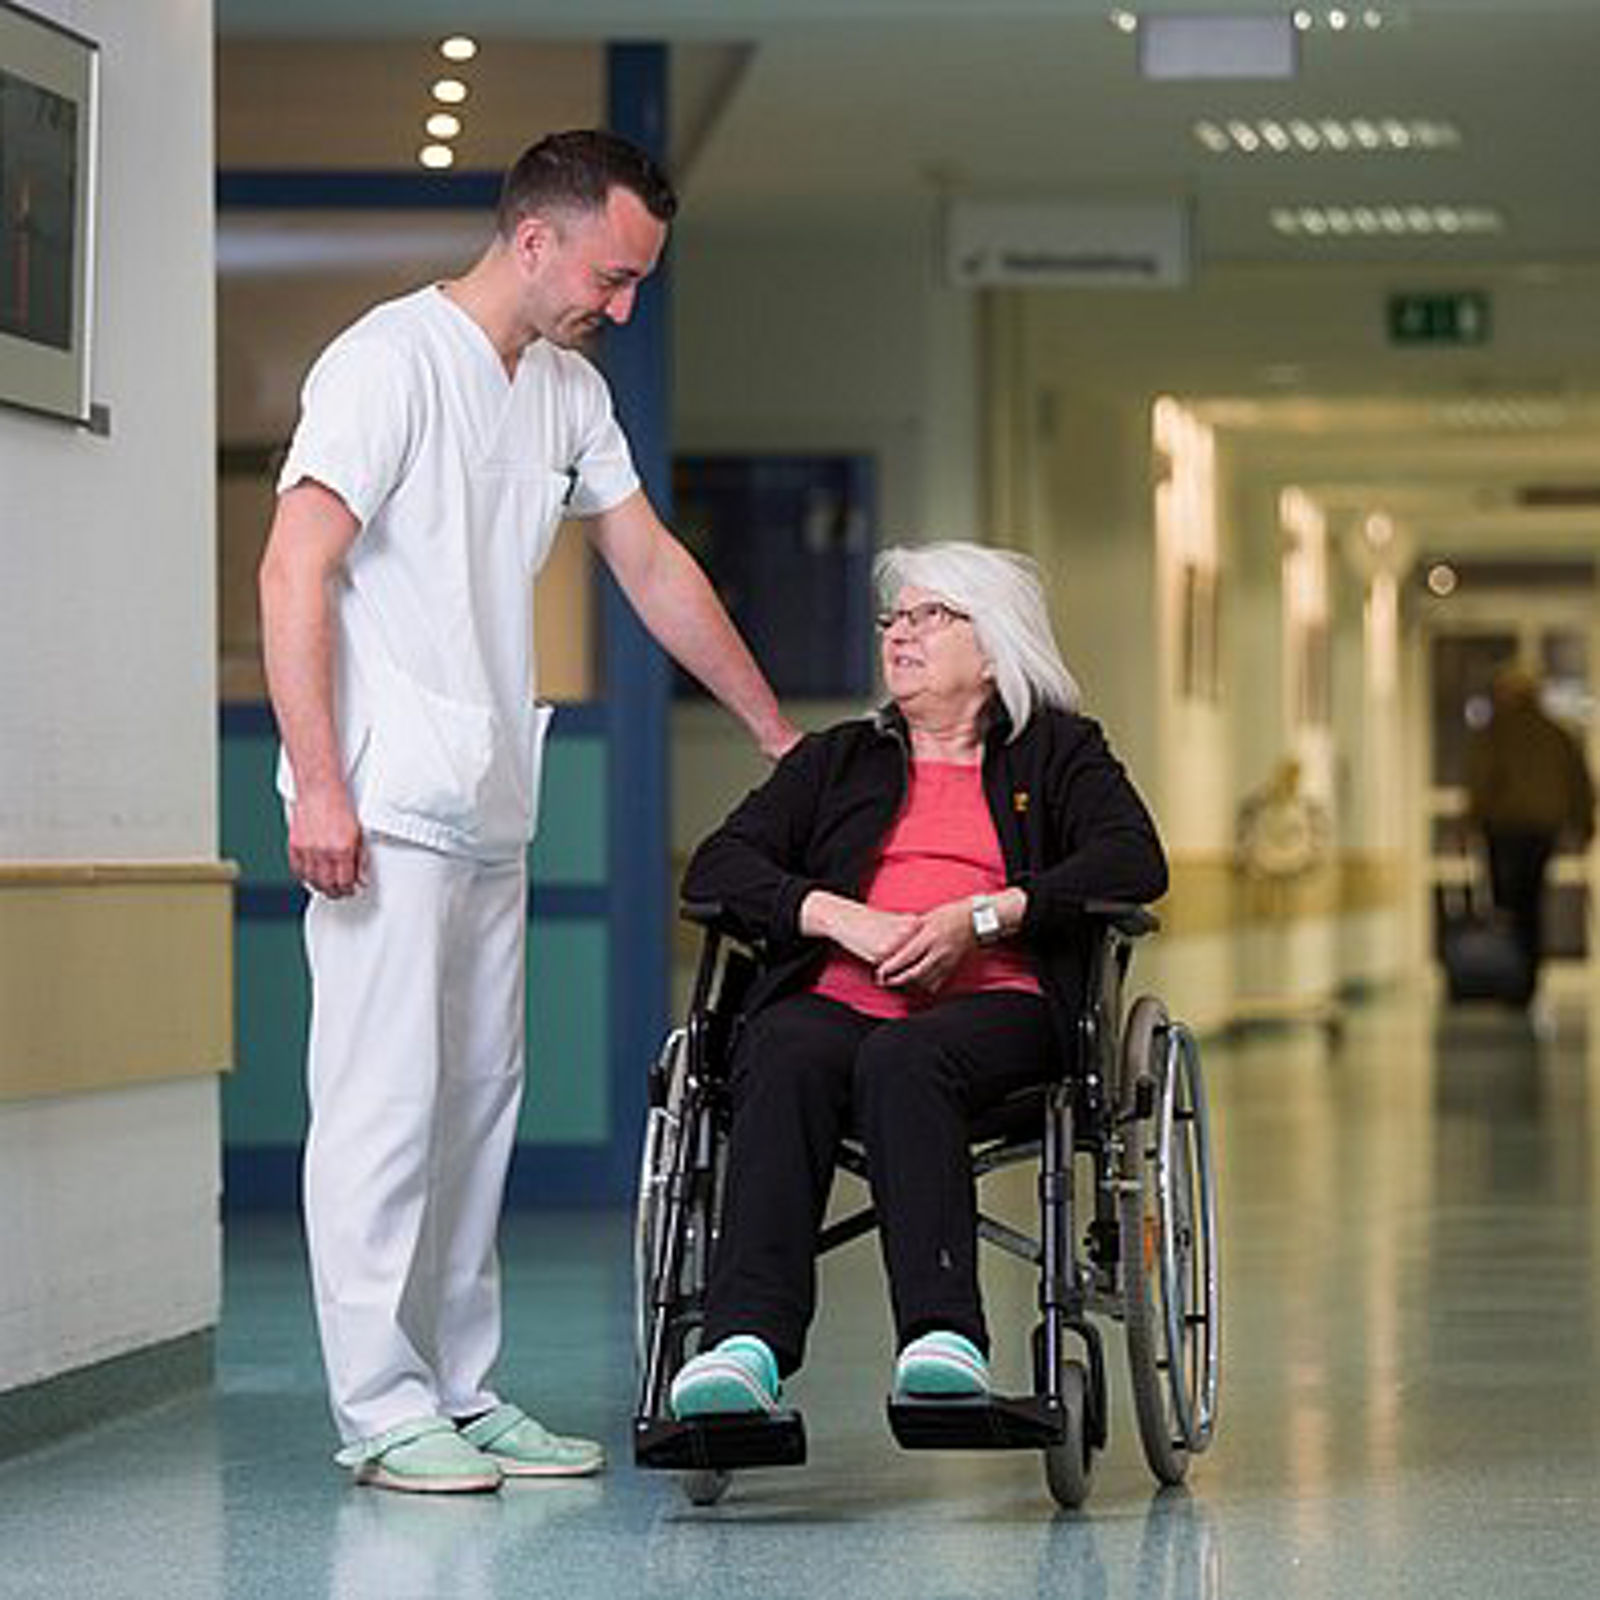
(1375, 221)
(1327, 135)
(1307, 19)
(1342, 19)
(442, 126)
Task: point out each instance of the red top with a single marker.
(942, 847)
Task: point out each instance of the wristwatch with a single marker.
(985, 919)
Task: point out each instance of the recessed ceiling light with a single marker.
(436, 156)
(1330, 135)
(1124, 21)
(443, 125)
(1442, 579)
(458, 48)
(449, 91)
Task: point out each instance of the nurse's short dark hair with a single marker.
(576, 171)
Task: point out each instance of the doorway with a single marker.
(1548, 622)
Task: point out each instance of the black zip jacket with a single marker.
(1071, 826)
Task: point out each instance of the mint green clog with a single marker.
(523, 1448)
(424, 1456)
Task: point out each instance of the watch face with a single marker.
(985, 921)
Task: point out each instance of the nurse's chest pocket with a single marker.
(531, 500)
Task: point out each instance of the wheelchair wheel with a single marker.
(1069, 1465)
(1168, 1244)
(662, 1130)
(668, 1123)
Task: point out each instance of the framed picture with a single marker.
(48, 82)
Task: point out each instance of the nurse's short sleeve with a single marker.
(603, 463)
(354, 433)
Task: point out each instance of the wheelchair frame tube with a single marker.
(1057, 1290)
(686, 1159)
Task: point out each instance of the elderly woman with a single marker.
(916, 877)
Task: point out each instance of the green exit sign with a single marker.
(1457, 318)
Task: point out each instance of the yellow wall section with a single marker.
(1210, 895)
(112, 974)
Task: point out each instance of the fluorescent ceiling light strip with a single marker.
(1333, 135)
(1415, 219)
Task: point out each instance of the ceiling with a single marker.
(842, 114)
(829, 105)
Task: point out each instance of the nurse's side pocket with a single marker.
(430, 754)
(538, 732)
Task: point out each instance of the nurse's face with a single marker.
(582, 269)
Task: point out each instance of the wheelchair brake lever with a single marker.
(1144, 1101)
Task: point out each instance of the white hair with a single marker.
(1001, 592)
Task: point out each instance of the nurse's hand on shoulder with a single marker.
(326, 850)
(778, 740)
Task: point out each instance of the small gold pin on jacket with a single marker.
(1019, 801)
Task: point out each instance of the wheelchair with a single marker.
(1123, 1123)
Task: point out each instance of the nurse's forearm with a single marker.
(297, 648)
(684, 613)
(311, 532)
(297, 644)
(675, 601)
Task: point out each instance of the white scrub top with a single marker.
(460, 477)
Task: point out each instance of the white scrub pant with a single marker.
(415, 1075)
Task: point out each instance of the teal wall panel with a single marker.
(264, 1097)
(569, 1108)
(570, 847)
(252, 818)
(568, 1098)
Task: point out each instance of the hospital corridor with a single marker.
(1233, 367)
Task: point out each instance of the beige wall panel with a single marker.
(113, 975)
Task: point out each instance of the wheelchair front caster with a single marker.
(1069, 1465)
(706, 1487)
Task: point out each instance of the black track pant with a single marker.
(806, 1071)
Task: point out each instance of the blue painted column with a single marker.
(637, 684)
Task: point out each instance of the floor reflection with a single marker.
(1410, 1390)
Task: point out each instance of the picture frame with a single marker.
(1199, 623)
(49, 140)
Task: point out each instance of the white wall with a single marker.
(108, 701)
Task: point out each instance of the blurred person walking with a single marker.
(1527, 785)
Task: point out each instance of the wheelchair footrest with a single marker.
(992, 1422)
(722, 1443)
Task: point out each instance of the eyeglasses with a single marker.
(929, 616)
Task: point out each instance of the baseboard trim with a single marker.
(42, 1413)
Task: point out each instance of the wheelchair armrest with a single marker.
(1124, 916)
(714, 918)
(705, 914)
